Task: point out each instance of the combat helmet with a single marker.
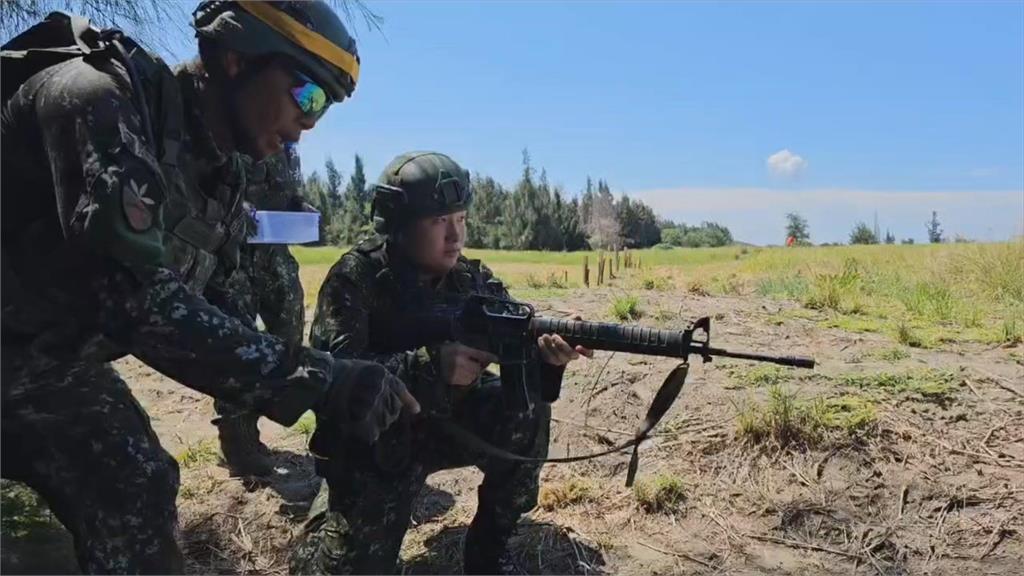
(307, 31)
(416, 185)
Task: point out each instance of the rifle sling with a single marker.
(663, 400)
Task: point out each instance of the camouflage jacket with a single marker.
(275, 183)
(205, 218)
(367, 289)
(84, 261)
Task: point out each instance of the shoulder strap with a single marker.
(60, 37)
(57, 38)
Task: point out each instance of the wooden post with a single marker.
(586, 271)
(616, 258)
(565, 277)
(600, 269)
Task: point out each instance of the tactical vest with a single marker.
(203, 230)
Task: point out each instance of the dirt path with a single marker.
(934, 486)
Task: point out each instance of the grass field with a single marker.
(900, 453)
(921, 294)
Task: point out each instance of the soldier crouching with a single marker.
(357, 525)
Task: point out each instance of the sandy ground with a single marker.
(936, 488)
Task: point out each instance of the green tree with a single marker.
(520, 229)
(673, 236)
(934, 229)
(354, 212)
(567, 220)
(314, 190)
(547, 235)
(573, 232)
(587, 203)
(796, 228)
(333, 185)
(863, 234)
(487, 214)
(708, 234)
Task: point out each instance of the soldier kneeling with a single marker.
(415, 260)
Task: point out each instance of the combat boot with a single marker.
(240, 443)
(486, 548)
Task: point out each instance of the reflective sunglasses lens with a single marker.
(312, 99)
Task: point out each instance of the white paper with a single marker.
(286, 227)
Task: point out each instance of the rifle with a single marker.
(509, 330)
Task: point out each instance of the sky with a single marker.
(731, 112)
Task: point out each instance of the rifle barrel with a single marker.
(643, 340)
(795, 361)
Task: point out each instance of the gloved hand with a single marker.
(364, 400)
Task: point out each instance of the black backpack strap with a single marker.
(57, 38)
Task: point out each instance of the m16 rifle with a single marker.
(510, 329)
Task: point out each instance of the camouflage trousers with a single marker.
(357, 524)
(74, 433)
(266, 284)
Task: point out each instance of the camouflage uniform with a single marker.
(89, 201)
(372, 488)
(265, 285)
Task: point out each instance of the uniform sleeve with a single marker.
(341, 323)
(279, 293)
(109, 192)
(108, 184)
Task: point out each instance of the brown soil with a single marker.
(933, 489)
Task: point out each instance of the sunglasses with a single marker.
(309, 96)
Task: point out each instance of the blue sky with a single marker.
(732, 112)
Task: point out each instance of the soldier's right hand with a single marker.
(364, 399)
(461, 365)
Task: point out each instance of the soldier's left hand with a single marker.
(556, 351)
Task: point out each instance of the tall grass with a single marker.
(935, 292)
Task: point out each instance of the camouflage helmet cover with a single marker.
(307, 31)
(417, 185)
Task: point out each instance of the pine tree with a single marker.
(355, 209)
(934, 229)
(587, 203)
(573, 235)
(487, 214)
(521, 226)
(333, 184)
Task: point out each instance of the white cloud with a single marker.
(786, 164)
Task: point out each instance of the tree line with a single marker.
(532, 214)
(798, 230)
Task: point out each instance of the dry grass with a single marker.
(575, 490)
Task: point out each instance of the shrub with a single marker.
(626, 309)
(663, 493)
